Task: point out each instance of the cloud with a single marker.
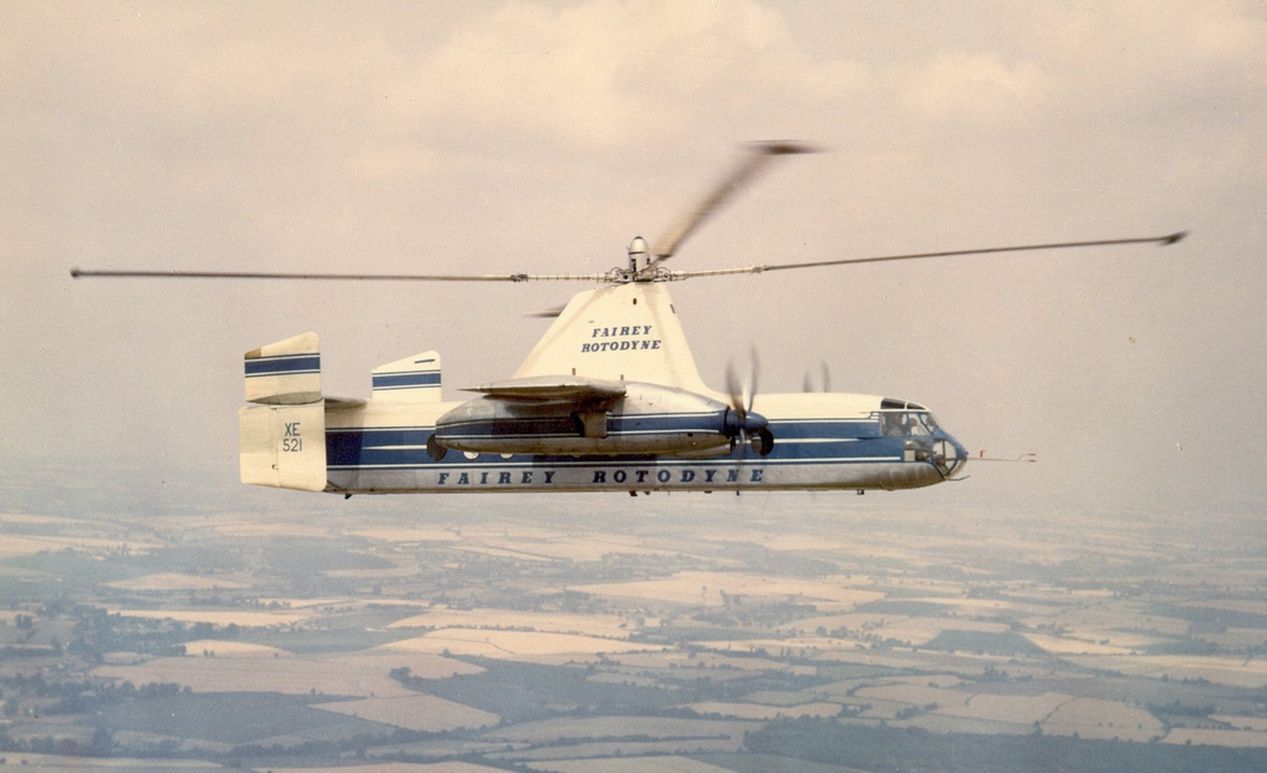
(610, 73)
(973, 87)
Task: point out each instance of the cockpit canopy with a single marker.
(899, 418)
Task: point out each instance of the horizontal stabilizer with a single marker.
(415, 378)
(343, 403)
(553, 389)
(284, 373)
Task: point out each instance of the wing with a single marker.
(552, 389)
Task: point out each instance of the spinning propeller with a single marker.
(744, 425)
(807, 383)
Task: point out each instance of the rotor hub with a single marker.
(637, 252)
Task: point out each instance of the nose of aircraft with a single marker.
(950, 456)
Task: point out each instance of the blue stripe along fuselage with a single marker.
(283, 365)
(804, 441)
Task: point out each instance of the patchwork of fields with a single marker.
(697, 635)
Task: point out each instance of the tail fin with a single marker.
(281, 439)
(415, 378)
(285, 373)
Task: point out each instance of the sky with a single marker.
(541, 137)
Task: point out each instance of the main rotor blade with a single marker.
(1159, 240)
(83, 273)
(758, 155)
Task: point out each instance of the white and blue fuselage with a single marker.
(822, 441)
(609, 400)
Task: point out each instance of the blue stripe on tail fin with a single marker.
(415, 378)
(284, 373)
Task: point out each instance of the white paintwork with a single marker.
(657, 353)
(283, 446)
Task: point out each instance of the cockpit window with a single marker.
(922, 422)
(905, 423)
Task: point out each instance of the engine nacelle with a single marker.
(647, 419)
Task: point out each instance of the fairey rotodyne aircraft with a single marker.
(608, 400)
